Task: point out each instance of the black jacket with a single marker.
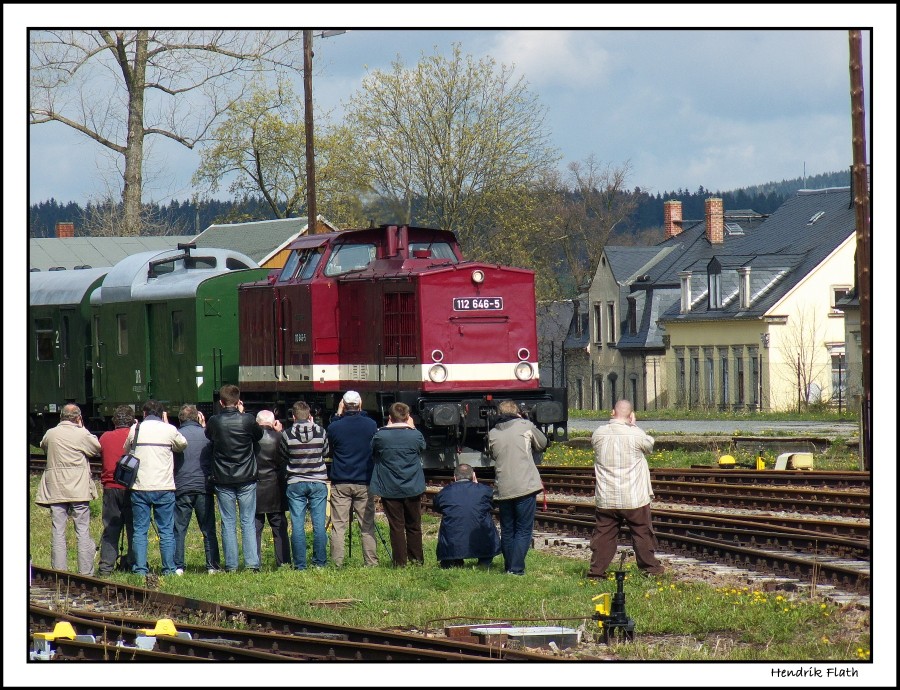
(270, 489)
(234, 437)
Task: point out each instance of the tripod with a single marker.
(377, 531)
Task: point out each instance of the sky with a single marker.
(717, 108)
(688, 95)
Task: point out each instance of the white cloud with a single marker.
(554, 58)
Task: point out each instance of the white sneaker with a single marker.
(213, 571)
(179, 571)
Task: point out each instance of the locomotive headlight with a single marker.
(438, 373)
(524, 371)
(477, 277)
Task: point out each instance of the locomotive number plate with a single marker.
(477, 303)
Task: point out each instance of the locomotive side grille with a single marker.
(399, 324)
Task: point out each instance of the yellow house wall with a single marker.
(806, 308)
(808, 311)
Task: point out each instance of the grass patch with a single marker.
(812, 415)
(837, 457)
(675, 619)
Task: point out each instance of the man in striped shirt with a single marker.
(623, 492)
(303, 449)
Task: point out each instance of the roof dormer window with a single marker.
(714, 278)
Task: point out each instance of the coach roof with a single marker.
(167, 274)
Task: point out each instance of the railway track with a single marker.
(827, 552)
(101, 604)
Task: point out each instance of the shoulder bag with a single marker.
(127, 466)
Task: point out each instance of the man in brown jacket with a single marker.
(67, 488)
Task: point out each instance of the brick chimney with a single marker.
(715, 221)
(65, 229)
(672, 218)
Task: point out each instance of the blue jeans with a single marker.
(231, 499)
(516, 526)
(299, 494)
(162, 503)
(204, 505)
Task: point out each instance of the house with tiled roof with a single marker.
(735, 311)
(264, 241)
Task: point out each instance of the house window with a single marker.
(739, 376)
(710, 376)
(725, 391)
(680, 373)
(754, 377)
(178, 332)
(579, 393)
(715, 290)
(634, 390)
(695, 377)
(714, 278)
(598, 331)
(838, 292)
(613, 393)
(632, 316)
(45, 337)
(122, 334)
(611, 322)
(598, 392)
(838, 377)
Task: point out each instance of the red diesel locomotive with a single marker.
(397, 314)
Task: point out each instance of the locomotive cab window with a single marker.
(302, 264)
(349, 257)
(45, 337)
(437, 250)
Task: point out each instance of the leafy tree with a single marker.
(261, 144)
(464, 136)
(119, 87)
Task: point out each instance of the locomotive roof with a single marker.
(61, 287)
(130, 278)
(363, 234)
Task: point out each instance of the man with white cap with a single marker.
(350, 439)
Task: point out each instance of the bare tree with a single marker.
(118, 87)
(581, 210)
(802, 347)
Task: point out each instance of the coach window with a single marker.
(64, 337)
(44, 332)
(122, 334)
(178, 332)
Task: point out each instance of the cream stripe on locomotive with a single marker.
(434, 372)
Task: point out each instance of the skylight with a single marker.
(815, 217)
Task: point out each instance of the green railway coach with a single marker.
(59, 339)
(166, 325)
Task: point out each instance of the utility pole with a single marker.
(308, 117)
(863, 239)
(311, 212)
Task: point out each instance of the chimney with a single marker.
(65, 229)
(715, 221)
(672, 218)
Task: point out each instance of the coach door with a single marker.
(158, 357)
(69, 372)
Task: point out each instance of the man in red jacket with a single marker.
(116, 498)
